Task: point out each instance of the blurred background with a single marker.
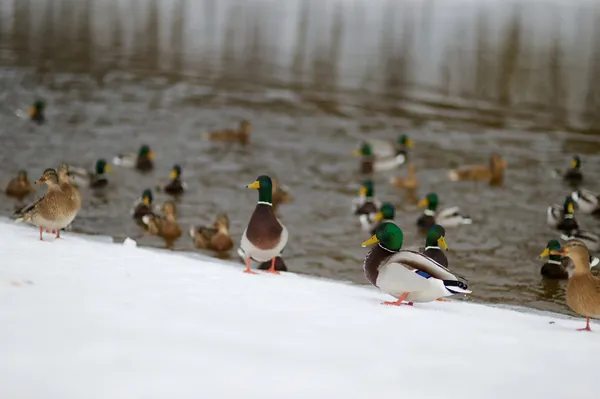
(462, 78)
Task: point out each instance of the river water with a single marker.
(462, 78)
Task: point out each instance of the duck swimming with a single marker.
(142, 161)
(556, 266)
(175, 186)
(143, 207)
(449, 217)
(369, 163)
(366, 204)
(241, 135)
(493, 172)
(36, 112)
(587, 202)
(95, 179)
(573, 175)
(385, 148)
(407, 275)
(385, 214)
(20, 186)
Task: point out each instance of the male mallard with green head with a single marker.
(449, 217)
(365, 204)
(142, 161)
(573, 175)
(175, 186)
(435, 242)
(20, 186)
(143, 206)
(36, 112)
(407, 275)
(564, 220)
(387, 148)
(265, 237)
(385, 214)
(369, 163)
(92, 179)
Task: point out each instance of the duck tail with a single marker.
(118, 160)
(453, 175)
(466, 220)
(456, 287)
(146, 219)
(20, 219)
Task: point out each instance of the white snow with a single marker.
(83, 318)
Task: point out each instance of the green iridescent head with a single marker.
(102, 167)
(386, 212)
(175, 172)
(551, 250)
(365, 150)
(39, 105)
(404, 141)
(388, 235)
(430, 201)
(146, 152)
(367, 189)
(569, 205)
(436, 237)
(264, 185)
(147, 197)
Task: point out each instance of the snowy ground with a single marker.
(82, 318)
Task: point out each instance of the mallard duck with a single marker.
(385, 214)
(36, 112)
(240, 135)
(587, 202)
(20, 186)
(583, 288)
(563, 218)
(95, 179)
(369, 163)
(52, 211)
(165, 226)
(556, 266)
(143, 206)
(494, 172)
(175, 186)
(280, 265)
(407, 275)
(409, 182)
(449, 217)
(591, 240)
(265, 237)
(434, 243)
(365, 204)
(386, 148)
(142, 161)
(280, 194)
(215, 237)
(72, 204)
(574, 175)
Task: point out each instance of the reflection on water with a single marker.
(463, 80)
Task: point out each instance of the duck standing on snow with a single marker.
(215, 237)
(175, 186)
(583, 288)
(407, 275)
(493, 173)
(240, 135)
(143, 207)
(369, 163)
(142, 161)
(587, 202)
(366, 204)
(265, 237)
(95, 179)
(449, 217)
(20, 186)
(386, 213)
(435, 243)
(165, 226)
(385, 148)
(556, 265)
(573, 175)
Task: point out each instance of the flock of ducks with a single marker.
(407, 275)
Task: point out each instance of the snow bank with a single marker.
(82, 318)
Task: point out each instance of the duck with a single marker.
(386, 148)
(369, 163)
(265, 237)
(175, 186)
(143, 206)
(215, 237)
(587, 202)
(52, 211)
(240, 135)
(591, 240)
(493, 172)
(556, 266)
(573, 175)
(73, 197)
(583, 288)
(448, 217)
(280, 194)
(404, 274)
(385, 214)
(280, 265)
(409, 182)
(365, 204)
(20, 186)
(435, 242)
(36, 112)
(95, 179)
(164, 226)
(563, 217)
(142, 161)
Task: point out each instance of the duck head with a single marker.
(388, 235)
(264, 185)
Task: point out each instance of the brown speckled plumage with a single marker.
(493, 172)
(165, 226)
(214, 237)
(240, 135)
(583, 288)
(20, 186)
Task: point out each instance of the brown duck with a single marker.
(493, 173)
(240, 135)
(19, 187)
(215, 237)
(165, 226)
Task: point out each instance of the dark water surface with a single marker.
(462, 78)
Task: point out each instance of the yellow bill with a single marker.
(570, 208)
(423, 203)
(31, 111)
(173, 174)
(146, 201)
(442, 243)
(151, 155)
(107, 168)
(363, 191)
(378, 217)
(357, 152)
(573, 163)
(255, 184)
(545, 254)
(370, 241)
(409, 143)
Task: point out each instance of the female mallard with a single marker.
(583, 288)
(369, 163)
(494, 172)
(407, 275)
(175, 186)
(95, 179)
(366, 204)
(142, 161)
(556, 266)
(449, 217)
(434, 243)
(215, 237)
(385, 148)
(36, 112)
(165, 226)
(563, 218)
(587, 202)
(409, 182)
(52, 211)
(574, 175)
(240, 135)
(143, 207)
(386, 213)
(20, 186)
(265, 237)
